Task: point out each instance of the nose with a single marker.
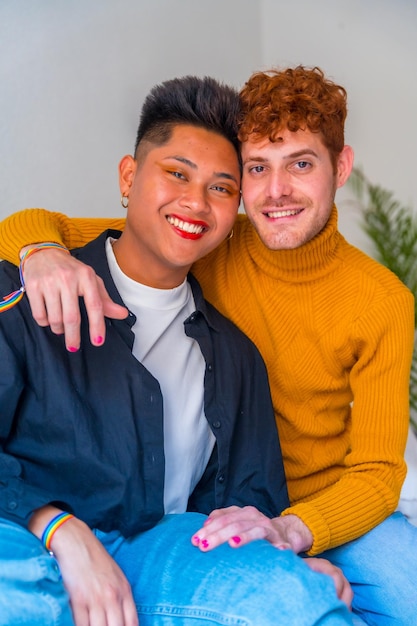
(279, 184)
(195, 198)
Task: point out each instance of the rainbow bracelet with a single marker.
(51, 528)
(15, 297)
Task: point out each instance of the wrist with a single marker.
(40, 519)
(298, 534)
(13, 298)
(51, 528)
(45, 522)
(39, 246)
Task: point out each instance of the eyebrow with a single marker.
(194, 166)
(292, 155)
(299, 153)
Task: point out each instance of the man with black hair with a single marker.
(111, 460)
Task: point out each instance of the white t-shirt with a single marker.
(175, 360)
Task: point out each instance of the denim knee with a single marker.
(175, 584)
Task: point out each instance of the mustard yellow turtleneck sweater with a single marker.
(336, 330)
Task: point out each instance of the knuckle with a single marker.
(40, 319)
(95, 305)
(71, 318)
(111, 592)
(87, 273)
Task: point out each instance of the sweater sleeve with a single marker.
(38, 225)
(369, 488)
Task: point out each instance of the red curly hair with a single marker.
(293, 99)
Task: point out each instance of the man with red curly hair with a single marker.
(335, 328)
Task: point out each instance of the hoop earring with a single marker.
(124, 201)
(230, 234)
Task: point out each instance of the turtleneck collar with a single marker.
(303, 264)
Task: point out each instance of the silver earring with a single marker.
(124, 201)
(231, 234)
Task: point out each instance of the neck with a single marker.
(146, 269)
(302, 264)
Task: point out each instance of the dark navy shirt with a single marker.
(84, 430)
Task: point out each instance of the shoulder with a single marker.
(369, 274)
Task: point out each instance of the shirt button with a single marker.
(217, 424)
(12, 505)
(221, 478)
(192, 317)
(210, 367)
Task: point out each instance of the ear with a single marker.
(127, 170)
(344, 166)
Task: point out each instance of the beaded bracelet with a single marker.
(15, 297)
(51, 528)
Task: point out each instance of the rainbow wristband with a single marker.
(51, 528)
(13, 298)
(36, 248)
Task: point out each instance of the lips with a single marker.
(187, 228)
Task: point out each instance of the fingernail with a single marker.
(196, 539)
(236, 539)
(98, 340)
(205, 543)
(72, 349)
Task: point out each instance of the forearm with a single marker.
(368, 488)
(95, 583)
(38, 225)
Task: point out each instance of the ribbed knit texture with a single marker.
(38, 225)
(333, 326)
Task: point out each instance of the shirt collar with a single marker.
(94, 254)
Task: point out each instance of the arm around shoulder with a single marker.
(38, 225)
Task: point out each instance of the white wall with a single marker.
(369, 47)
(73, 74)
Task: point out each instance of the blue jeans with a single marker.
(31, 589)
(381, 566)
(173, 583)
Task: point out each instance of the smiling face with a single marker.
(288, 186)
(183, 200)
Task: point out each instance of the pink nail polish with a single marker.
(98, 340)
(72, 349)
(196, 539)
(205, 543)
(236, 540)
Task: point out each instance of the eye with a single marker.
(220, 188)
(256, 169)
(177, 174)
(302, 165)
